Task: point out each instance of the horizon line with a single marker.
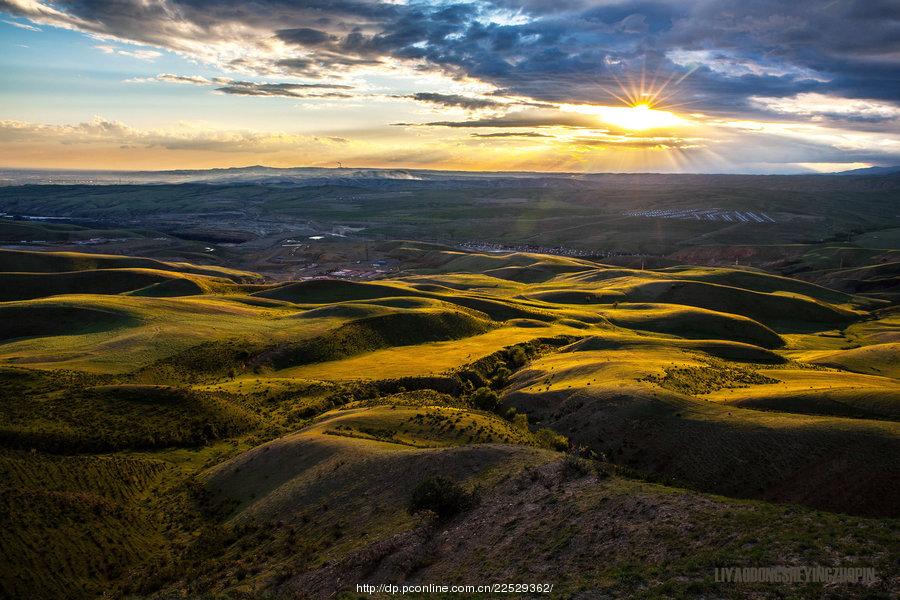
(427, 170)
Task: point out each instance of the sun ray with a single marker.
(646, 102)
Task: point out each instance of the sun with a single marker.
(640, 116)
(645, 104)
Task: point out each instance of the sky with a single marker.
(705, 86)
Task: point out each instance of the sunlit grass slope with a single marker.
(148, 282)
(647, 408)
(819, 392)
(426, 359)
(876, 359)
(25, 261)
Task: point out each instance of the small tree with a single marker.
(501, 378)
(442, 496)
(547, 438)
(486, 399)
(517, 357)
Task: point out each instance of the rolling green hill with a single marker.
(24, 261)
(26, 286)
(176, 430)
(645, 408)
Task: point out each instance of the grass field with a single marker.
(174, 430)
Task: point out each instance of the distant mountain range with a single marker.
(369, 177)
(872, 171)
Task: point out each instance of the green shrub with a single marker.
(485, 398)
(547, 438)
(442, 496)
(501, 378)
(517, 357)
(520, 421)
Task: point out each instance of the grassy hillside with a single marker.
(149, 282)
(326, 291)
(134, 417)
(174, 430)
(608, 536)
(25, 320)
(24, 261)
(646, 408)
(373, 333)
(876, 359)
(73, 526)
(693, 323)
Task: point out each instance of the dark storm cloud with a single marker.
(853, 44)
(305, 36)
(726, 51)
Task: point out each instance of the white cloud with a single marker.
(821, 106)
(834, 167)
(183, 136)
(139, 54)
(729, 64)
(182, 79)
(820, 138)
(22, 25)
